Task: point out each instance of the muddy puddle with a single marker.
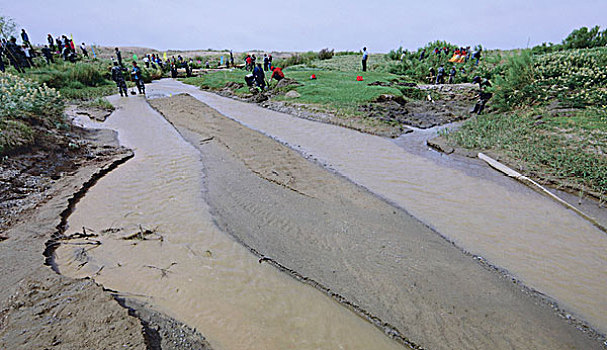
(548, 247)
(158, 244)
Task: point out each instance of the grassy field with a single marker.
(338, 89)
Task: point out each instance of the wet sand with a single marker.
(369, 252)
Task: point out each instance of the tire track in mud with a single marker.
(418, 287)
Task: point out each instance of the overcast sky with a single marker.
(303, 25)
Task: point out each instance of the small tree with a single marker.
(7, 27)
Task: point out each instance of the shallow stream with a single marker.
(185, 266)
(548, 247)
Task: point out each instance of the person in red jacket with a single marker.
(277, 74)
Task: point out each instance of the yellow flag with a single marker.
(164, 56)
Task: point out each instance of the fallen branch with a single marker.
(142, 235)
(164, 271)
(79, 235)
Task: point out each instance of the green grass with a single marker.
(88, 92)
(99, 102)
(331, 88)
(568, 149)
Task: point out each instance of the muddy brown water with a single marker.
(195, 273)
(548, 247)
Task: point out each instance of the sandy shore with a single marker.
(363, 251)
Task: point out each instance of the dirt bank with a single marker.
(363, 251)
(424, 106)
(40, 309)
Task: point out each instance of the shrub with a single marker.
(518, 86)
(395, 55)
(347, 53)
(583, 38)
(575, 78)
(408, 63)
(24, 104)
(86, 74)
(325, 54)
(297, 59)
(14, 134)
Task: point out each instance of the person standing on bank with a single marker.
(136, 73)
(118, 56)
(365, 56)
(51, 42)
(118, 78)
(84, 50)
(25, 38)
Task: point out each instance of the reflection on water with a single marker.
(548, 247)
(186, 267)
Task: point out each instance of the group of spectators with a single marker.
(250, 62)
(20, 56)
(462, 54)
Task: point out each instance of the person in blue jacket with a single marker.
(138, 78)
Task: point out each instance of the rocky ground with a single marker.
(433, 105)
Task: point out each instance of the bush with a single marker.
(347, 53)
(395, 55)
(584, 38)
(575, 78)
(545, 48)
(518, 86)
(14, 134)
(325, 54)
(297, 59)
(66, 74)
(24, 104)
(408, 63)
(86, 74)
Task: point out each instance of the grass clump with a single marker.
(99, 102)
(26, 106)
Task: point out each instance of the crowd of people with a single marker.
(250, 62)
(460, 56)
(20, 55)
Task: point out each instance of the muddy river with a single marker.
(175, 257)
(548, 247)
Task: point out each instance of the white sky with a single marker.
(303, 25)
